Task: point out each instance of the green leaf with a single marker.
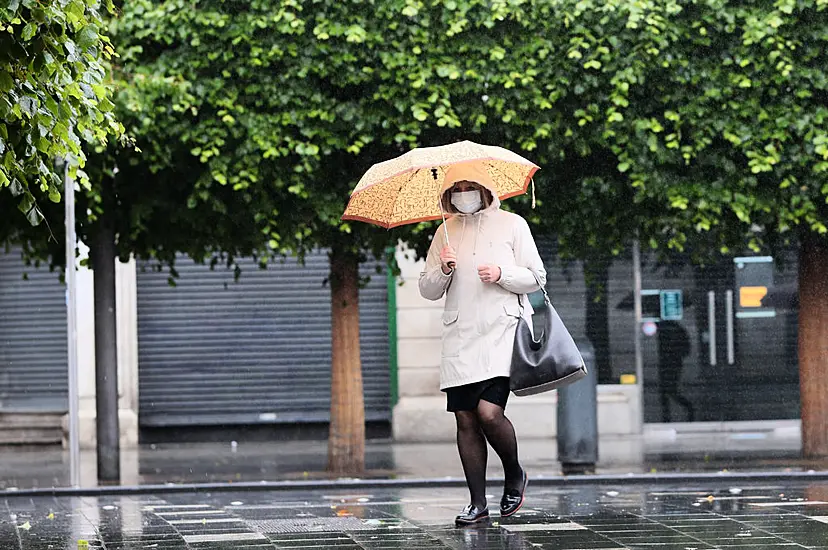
(87, 37)
(6, 82)
(29, 31)
(28, 206)
(355, 34)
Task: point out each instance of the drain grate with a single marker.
(309, 525)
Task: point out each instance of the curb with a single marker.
(349, 483)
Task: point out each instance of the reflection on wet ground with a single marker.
(587, 517)
(24, 468)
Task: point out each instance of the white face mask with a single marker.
(467, 202)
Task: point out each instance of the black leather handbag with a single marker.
(546, 364)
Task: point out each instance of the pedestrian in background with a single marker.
(484, 261)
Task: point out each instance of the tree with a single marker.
(287, 108)
(53, 95)
(708, 121)
(288, 105)
(58, 89)
(54, 100)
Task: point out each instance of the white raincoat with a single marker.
(479, 319)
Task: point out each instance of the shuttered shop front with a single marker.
(215, 351)
(598, 315)
(33, 366)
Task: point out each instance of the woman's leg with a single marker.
(501, 436)
(471, 444)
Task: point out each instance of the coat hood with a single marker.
(470, 171)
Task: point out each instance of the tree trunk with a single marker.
(106, 355)
(346, 442)
(813, 345)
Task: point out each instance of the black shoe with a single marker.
(472, 514)
(513, 499)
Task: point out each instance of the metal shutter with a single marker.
(33, 348)
(566, 284)
(214, 351)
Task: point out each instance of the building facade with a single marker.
(206, 351)
(712, 346)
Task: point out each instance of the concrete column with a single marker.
(127, 326)
(419, 414)
(86, 351)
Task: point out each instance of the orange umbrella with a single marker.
(407, 189)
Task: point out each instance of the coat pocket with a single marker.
(512, 317)
(514, 314)
(512, 310)
(451, 333)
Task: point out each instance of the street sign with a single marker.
(672, 305)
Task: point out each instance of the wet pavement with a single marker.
(686, 517)
(32, 467)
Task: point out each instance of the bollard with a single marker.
(578, 418)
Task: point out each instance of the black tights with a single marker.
(474, 429)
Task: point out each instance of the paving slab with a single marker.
(701, 516)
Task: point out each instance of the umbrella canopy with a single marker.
(407, 189)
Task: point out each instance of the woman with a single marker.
(485, 269)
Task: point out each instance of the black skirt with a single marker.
(468, 396)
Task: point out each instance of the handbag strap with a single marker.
(542, 288)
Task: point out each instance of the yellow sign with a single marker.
(628, 379)
(751, 296)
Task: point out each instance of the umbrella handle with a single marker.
(445, 229)
(451, 265)
(443, 214)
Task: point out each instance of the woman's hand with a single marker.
(489, 273)
(448, 257)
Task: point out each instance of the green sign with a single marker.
(672, 306)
